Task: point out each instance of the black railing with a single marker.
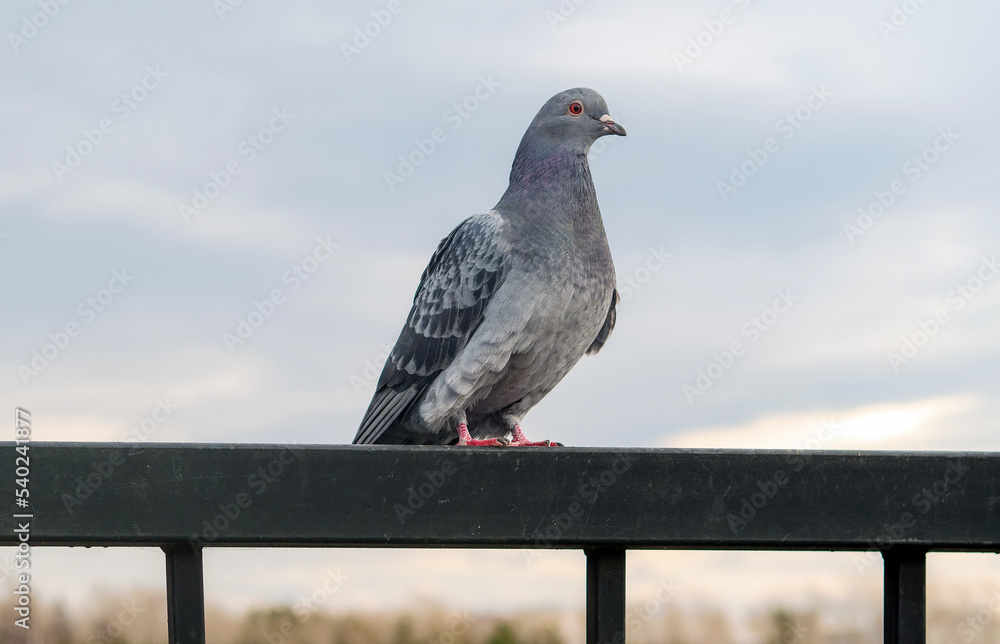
(183, 498)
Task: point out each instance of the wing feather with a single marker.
(465, 271)
(607, 327)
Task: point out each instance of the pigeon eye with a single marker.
(575, 108)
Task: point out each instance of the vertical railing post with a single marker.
(904, 602)
(605, 595)
(185, 595)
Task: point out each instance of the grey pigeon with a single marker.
(511, 299)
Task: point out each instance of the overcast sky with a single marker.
(803, 219)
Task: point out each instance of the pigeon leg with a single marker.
(465, 438)
(521, 440)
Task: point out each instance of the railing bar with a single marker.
(905, 596)
(605, 595)
(185, 595)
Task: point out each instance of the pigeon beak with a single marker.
(610, 127)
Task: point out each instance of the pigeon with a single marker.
(510, 300)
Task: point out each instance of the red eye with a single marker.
(576, 108)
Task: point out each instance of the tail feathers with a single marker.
(386, 410)
(384, 421)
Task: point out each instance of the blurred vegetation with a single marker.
(139, 617)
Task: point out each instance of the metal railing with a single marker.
(184, 498)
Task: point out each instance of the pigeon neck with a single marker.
(556, 182)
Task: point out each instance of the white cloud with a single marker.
(919, 424)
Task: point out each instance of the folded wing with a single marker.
(466, 270)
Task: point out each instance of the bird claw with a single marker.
(527, 443)
(506, 442)
(466, 439)
(519, 440)
(489, 442)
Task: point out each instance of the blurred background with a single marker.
(213, 216)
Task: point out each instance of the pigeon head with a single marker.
(555, 145)
(565, 128)
(575, 118)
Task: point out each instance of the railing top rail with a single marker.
(310, 495)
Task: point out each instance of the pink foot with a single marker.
(521, 440)
(465, 438)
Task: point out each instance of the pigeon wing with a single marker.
(607, 327)
(466, 270)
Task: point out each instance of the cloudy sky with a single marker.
(803, 219)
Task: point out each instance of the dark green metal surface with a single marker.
(215, 495)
